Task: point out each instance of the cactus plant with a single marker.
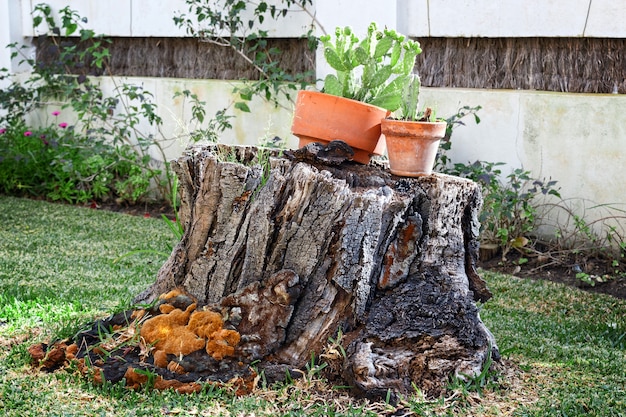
(410, 98)
(375, 70)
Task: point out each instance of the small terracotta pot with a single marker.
(412, 146)
(320, 117)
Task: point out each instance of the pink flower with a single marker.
(56, 113)
(3, 131)
(28, 133)
(63, 125)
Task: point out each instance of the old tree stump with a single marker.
(297, 250)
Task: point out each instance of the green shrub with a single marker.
(509, 213)
(59, 162)
(93, 148)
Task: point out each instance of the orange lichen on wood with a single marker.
(134, 380)
(160, 358)
(37, 353)
(222, 343)
(178, 386)
(168, 308)
(182, 332)
(89, 370)
(172, 294)
(71, 351)
(169, 332)
(175, 367)
(172, 332)
(205, 323)
(244, 386)
(138, 314)
(50, 358)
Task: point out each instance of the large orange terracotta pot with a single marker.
(412, 146)
(320, 117)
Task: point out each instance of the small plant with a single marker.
(313, 368)
(375, 70)
(594, 249)
(452, 123)
(410, 99)
(509, 214)
(102, 155)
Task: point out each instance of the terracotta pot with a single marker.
(320, 117)
(412, 146)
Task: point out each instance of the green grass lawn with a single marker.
(564, 350)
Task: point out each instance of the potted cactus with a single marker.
(370, 77)
(413, 138)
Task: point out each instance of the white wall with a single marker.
(454, 18)
(147, 18)
(10, 32)
(512, 18)
(5, 37)
(265, 121)
(577, 139)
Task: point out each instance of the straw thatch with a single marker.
(187, 58)
(582, 65)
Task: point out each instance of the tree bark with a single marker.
(299, 251)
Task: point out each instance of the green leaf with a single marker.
(360, 54)
(70, 28)
(408, 62)
(390, 102)
(332, 85)
(240, 105)
(396, 52)
(334, 60)
(380, 77)
(245, 95)
(390, 97)
(382, 47)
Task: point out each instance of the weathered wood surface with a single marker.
(297, 250)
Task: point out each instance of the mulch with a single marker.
(602, 276)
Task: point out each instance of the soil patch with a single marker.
(599, 275)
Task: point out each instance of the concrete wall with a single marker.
(512, 18)
(577, 139)
(145, 18)
(447, 18)
(265, 121)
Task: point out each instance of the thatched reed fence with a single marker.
(577, 65)
(581, 65)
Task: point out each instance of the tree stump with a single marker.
(299, 249)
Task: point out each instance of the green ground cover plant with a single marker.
(564, 350)
(64, 137)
